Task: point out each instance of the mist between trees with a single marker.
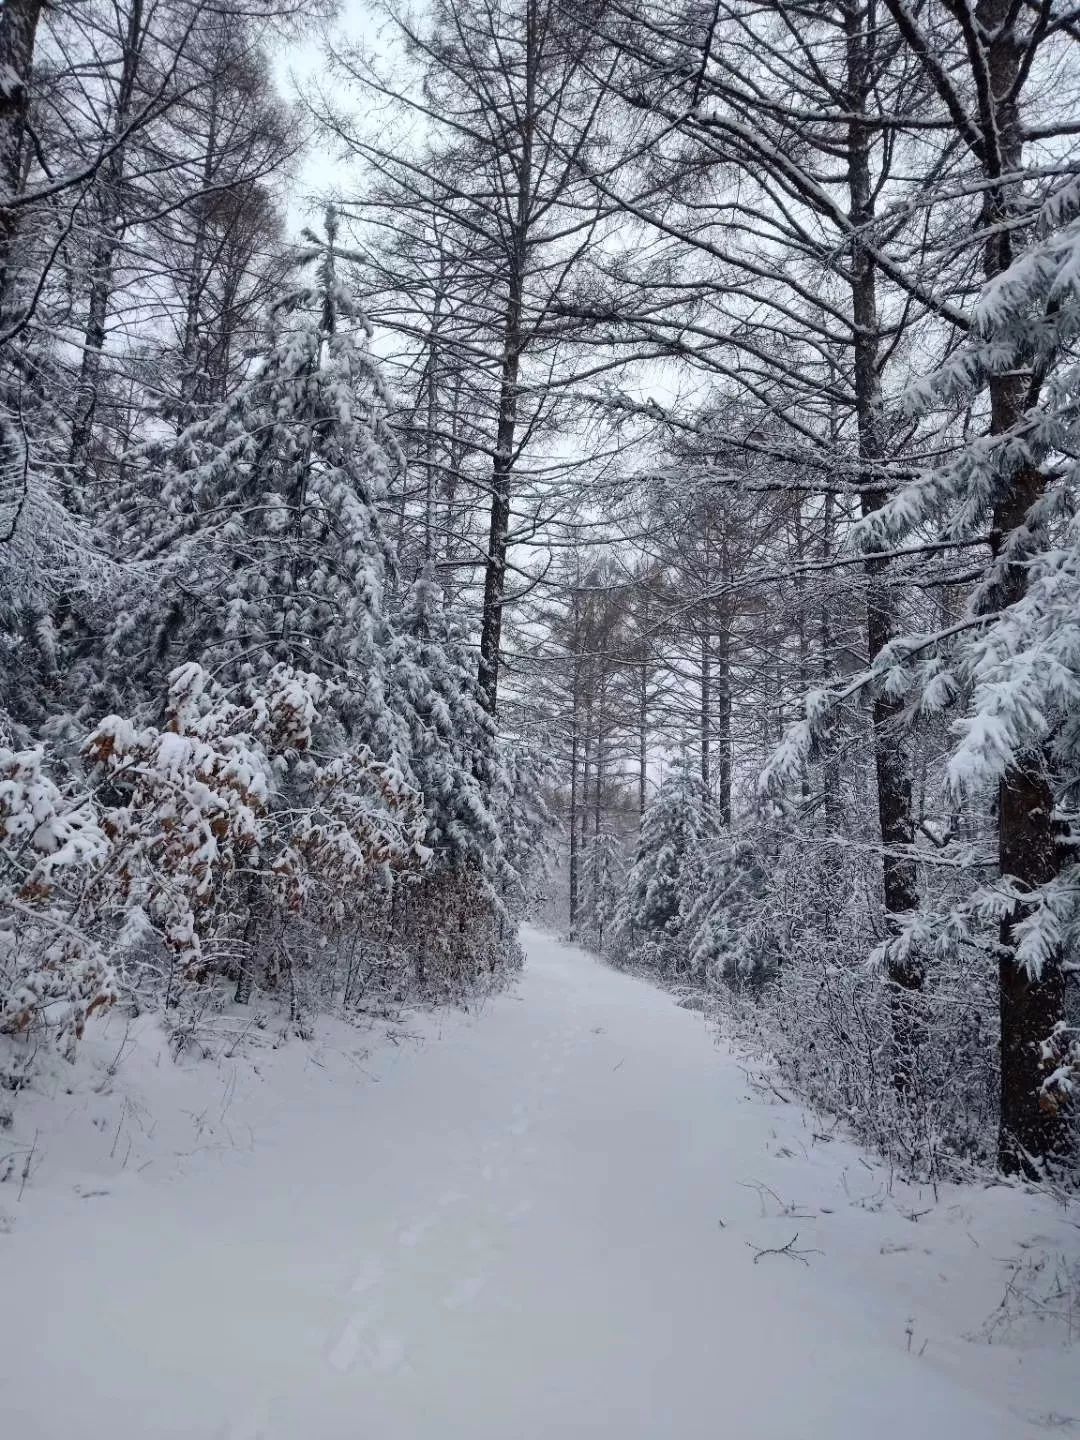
(668, 432)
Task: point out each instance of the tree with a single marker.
(451, 737)
(278, 491)
(498, 212)
(676, 823)
(604, 878)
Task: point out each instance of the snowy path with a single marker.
(514, 1233)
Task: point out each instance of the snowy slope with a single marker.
(538, 1221)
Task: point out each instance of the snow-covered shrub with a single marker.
(242, 852)
(458, 932)
(361, 817)
(827, 1015)
(53, 973)
(183, 805)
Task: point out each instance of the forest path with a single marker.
(542, 1221)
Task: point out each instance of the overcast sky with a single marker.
(300, 65)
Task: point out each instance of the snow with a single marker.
(541, 1219)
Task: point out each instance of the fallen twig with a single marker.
(788, 1249)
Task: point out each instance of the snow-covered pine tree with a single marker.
(603, 877)
(1008, 669)
(267, 511)
(1014, 659)
(450, 914)
(450, 735)
(726, 936)
(525, 821)
(46, 551)
(677, 823)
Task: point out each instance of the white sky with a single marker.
(297, 65)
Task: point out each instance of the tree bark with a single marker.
(111, 225)
(18, 32)
(722, 732)
(575, 859)
(900, 891)
(1034, 1126)
(513, 347)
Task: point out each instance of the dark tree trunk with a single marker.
(722, 728)
(110, 208)
(1034, 1126)
(513, 348)
(900, 890)
(575, 858)
(18, 31)
(705, 715)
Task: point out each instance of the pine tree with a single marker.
(1014, 661)
(268, 516)
(450, 735)
(675, 825)
(725, 937)
(604, 876)
(1010, 666)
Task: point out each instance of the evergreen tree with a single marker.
(604, 875)
(1008, 670)
(268, 515)
(450, 735)
(526, 823)
(725, 937)
(675, 825)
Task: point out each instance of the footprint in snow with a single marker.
(379, 1350)
(248, 1427)
(370, 1274)
(411, 1237)
(464, 1293)
(387, 1353)
(346, 1348)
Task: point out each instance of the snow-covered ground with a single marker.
(546, 1219)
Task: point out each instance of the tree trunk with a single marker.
(110, 203)
(722, 662)
(891, 762)
(705, 715)
(1030, 850)
(18, 31)
(643, 740)
(586, 763)
(598, 788)
(513, 346)
(575, 859)
(191, 354)
(495, 566)
(1034, 1126)
(834, 810)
